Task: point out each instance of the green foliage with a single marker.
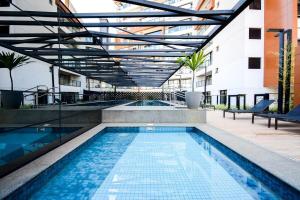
(221, 107)
(193, 62)
(273, 109)
(28, 106)
(290, 54)
(11, 61)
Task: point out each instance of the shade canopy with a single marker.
(64, 39)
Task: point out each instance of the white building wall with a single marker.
(37, 72)
(231, 49)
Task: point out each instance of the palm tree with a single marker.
(193, 62)
(11, 61)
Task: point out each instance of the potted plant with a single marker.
(193, 62)
(12, 99)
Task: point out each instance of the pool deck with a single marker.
(284, 141)
(250, 141)
(153, 114)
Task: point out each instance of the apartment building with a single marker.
(243, 59)
(176, 30)
(46, 77)
(235, 57)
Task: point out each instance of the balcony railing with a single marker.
(202, 83)
(72, 83)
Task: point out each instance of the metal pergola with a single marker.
(85, 52)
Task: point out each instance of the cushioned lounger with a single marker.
(257, 108)
(293, 115)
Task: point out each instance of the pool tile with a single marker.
(168, 166)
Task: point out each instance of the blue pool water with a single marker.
(154, 163)
(19, 142)
(149, 103)
(101, 103)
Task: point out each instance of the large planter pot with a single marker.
(193, 99)
(11, 99)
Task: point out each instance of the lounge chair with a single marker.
(257, 108)
(292, 115)
(294, 119)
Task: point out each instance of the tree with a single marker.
(11, 61)
(193, 62)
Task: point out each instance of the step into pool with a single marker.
(149, 103)
(143, 163)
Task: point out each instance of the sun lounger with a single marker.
(292, 115)
(257, 108)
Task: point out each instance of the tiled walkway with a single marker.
(285, 141)
(168, 166)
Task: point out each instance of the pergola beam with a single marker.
(148, 67)
(174, 9)
(145, 38)
(202, 14)
(108, 24)
(45, 41)
(110, 52)
(102, 34)
(104, 54)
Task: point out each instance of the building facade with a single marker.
(176, 30)
(243, 59)
(46, 77)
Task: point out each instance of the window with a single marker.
(4, 29)
(223, 97)
(217, 70)
(255, 33)
(5, 3)
(209, 58)
(254, 63)
(255, 5)
(51, 2)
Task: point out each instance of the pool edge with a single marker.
(288, 171)
(18, 178)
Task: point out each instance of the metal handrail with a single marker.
(176, 94)
(36, 87)
(34, 92)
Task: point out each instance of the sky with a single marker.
(94, 5)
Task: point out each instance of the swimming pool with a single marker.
(101, 103)
(18, 142)
(149, 103)
(154, 163)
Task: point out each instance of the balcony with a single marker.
(72, 83)
(202, 83)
